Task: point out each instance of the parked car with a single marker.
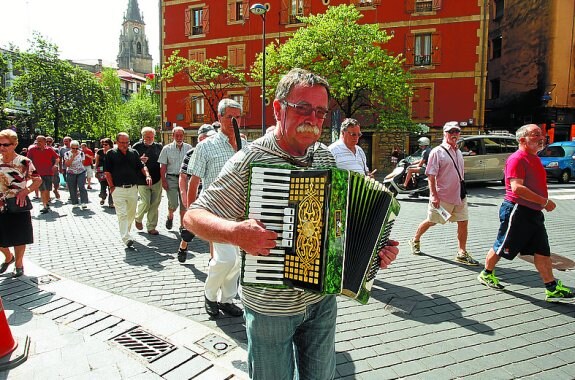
(559, 160)
(485, 155)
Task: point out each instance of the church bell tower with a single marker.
(134, 54)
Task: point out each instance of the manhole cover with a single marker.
(46, 279)
(400, 306)
(216, 344)
(143, 343)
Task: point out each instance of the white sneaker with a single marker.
(75, 206)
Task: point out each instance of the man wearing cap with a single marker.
(348, 154)
(445, 175)
(206, 163)
(170, 160)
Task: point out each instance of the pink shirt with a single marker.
(446, 178)
(528, 167)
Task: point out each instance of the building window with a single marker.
(499, 8)
(196, 22)
(237, 56)
(422, 50)
(494, 87)
(198, 55)
(423, 5)
(198, 110)
(296, 9)
(421, 104)
(238, 11)
(138, 48)
(242, 99)
(496, 47)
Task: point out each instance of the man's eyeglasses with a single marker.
(6, 145)
(454, 131)
(74, 148)
(534, 134)
(352, 134)
(307, 109)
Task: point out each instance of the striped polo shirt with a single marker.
(227, 198)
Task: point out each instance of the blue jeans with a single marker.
(77, 182)
(293, 347)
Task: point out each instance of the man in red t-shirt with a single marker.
(88, 164)
(46, 161)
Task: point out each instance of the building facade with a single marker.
(443, 44)
(134, 54)
(531, 76)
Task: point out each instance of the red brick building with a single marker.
(443, 43)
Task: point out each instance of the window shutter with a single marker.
(284, 15)
(410, 6)
(206, 110)
(306, 7)
(436, 5)
(232, 16)
(376, 2)
(206, 20)
(188, 23)
(201, 56)
(246, 10)
(436, 48)
(409, 49)
(246, 102)
(241, 57)
(232, 57)
(189, 110)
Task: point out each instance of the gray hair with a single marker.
(227, 103)
(348, 122)
(75, 143)
(299, 77)
(148, 129)
(176, 129)
(523, 131)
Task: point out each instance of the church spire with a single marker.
(133, 13)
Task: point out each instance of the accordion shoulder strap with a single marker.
(285, 157)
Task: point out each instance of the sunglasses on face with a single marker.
(74, 148)
(6, 145)
(352, 134)
(453, 131)
(307, 109)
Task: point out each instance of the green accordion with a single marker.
(331, 224)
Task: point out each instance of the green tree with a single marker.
(64, 99)
(3, 92)
(212, 77)
(111, 117)
(139, 112)
(364, 77)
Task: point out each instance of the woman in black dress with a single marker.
(16, 227)
(106, 144)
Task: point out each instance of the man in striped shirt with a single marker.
(281, 324)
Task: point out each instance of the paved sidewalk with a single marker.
(428, 317)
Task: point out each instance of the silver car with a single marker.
(485, 156)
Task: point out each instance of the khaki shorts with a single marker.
(458, 213)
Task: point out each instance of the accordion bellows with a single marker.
(331, 223)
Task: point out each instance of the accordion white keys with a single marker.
(331, 224)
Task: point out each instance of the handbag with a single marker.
(11, 207)
(462, 189)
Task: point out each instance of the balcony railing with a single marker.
(424, 6)
(422, 60)
(293, 19)
(197, 30)
(198, 118)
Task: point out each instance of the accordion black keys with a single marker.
(331, 223)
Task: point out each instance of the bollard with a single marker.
(7, 342)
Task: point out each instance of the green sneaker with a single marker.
(560, 294)
(464, 257)
(415, 247)
(490, 280)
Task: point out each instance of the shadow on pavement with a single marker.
(419, 307)
(560, 308)
(141, 255)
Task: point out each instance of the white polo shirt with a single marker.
(346, 159)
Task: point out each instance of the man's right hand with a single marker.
(252, 237)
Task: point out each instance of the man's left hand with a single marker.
(388, 253)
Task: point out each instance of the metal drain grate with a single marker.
(144, 344)
(46, 279)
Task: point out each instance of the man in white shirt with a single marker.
(348, 155)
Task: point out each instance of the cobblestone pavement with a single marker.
(428, 317)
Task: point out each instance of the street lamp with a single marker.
(261, 10)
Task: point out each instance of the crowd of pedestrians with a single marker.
(290, 333)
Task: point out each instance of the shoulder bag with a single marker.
(462, 189)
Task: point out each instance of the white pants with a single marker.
(125, 201)
(223, 273)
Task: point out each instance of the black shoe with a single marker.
(129, 243)
(182, 254)
(413, 195)
(18, 272)
(44, 210)
(231, 309)
(169, 223)
(211, 307)
(5, 266)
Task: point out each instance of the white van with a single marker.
(485, 156)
